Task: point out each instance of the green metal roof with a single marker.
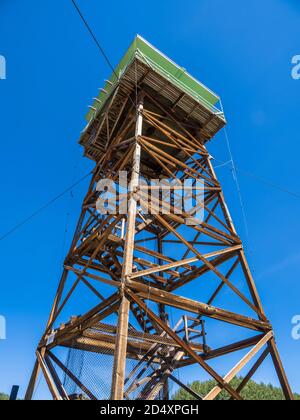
(145, 52)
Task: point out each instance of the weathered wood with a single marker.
(189, 305)
(118, 377)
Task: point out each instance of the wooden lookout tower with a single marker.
(151, 297)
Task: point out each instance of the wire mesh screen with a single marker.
(87, 368)
(95, 375)
(74, 363)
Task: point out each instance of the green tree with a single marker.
(3, 397)
(252, 392)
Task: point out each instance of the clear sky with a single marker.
(241, 50)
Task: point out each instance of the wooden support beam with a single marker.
(210, 266)
(186, 388)
(176, 215)
(234, 347)
(166, 267)
(118, 378)
(189, 305)
(174, 118)
(164, 376)
(93, 316)
(187, 278)
(222, 284)
(253, 370)
(232, 374)
(33, 381)
(184, 346)
(55, 377)
(50, 382)
(288, 393)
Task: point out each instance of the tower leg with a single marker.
(118, 378)
(164, 317)
(280, 371)
(37, 367)
(32, 382)
(120, 352)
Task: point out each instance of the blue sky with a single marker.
(241, 51)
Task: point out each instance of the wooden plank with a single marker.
(287, 390)
(33, 381)
(50, 382)
(56, 379)
(209, 265)
(89, 318)
(152, 395)
(185, 387)
(222, 284)
(251, 285)
(253, 370)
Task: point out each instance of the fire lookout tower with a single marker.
(157, 292)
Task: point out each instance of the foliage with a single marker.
(3, 397)
(252, 392)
